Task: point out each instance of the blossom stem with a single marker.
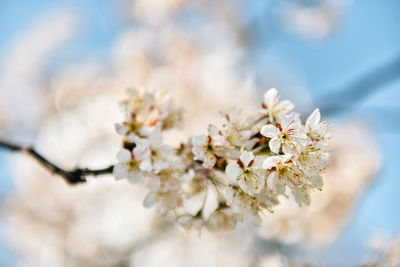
(74, 176)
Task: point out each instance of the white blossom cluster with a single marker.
(247, 163)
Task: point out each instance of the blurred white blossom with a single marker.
(314, 19)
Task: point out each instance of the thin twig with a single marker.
(74, 176)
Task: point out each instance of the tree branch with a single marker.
(74, 176)
(367, 83)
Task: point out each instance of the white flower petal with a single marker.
(271, 97)
(133, 138)
(160, 165)
(313, 120)
(141, 152)
(212, 130)
(298, 134)
(197, 223)
(276, 184)
(166, 151)
(124, 155)
(259, 162)
(252, 183)
(280, 187)
(249, 144)
(135, 177)
(233, 171)
(154, 184)
(229, 193)
(121, 128)
(198, 153)
(272, 181)
(209, 160)
(246, 158)
(301, 196)
(150, 200)
(246, 186)
(146, 130)
(219, 140)
(284, 107)
(286, 157)
(271, 162)
(199, 140)
(275, 145)
(120, 171)
(260, 181)
(185, 221)
(317, 181)
(292, 149)
(291, 121)
(246, 134)
(188, 176)
(146, 165)
(155, 139)
(232, 153)
(269, 130)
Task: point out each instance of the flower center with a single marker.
(133, 165)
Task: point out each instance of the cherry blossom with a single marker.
(250, 180)
(243, 166)
(274, 109)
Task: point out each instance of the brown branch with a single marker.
(74, 176)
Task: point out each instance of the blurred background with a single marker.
(65, 64)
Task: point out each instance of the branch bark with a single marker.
(361, 87)
(75, 176)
